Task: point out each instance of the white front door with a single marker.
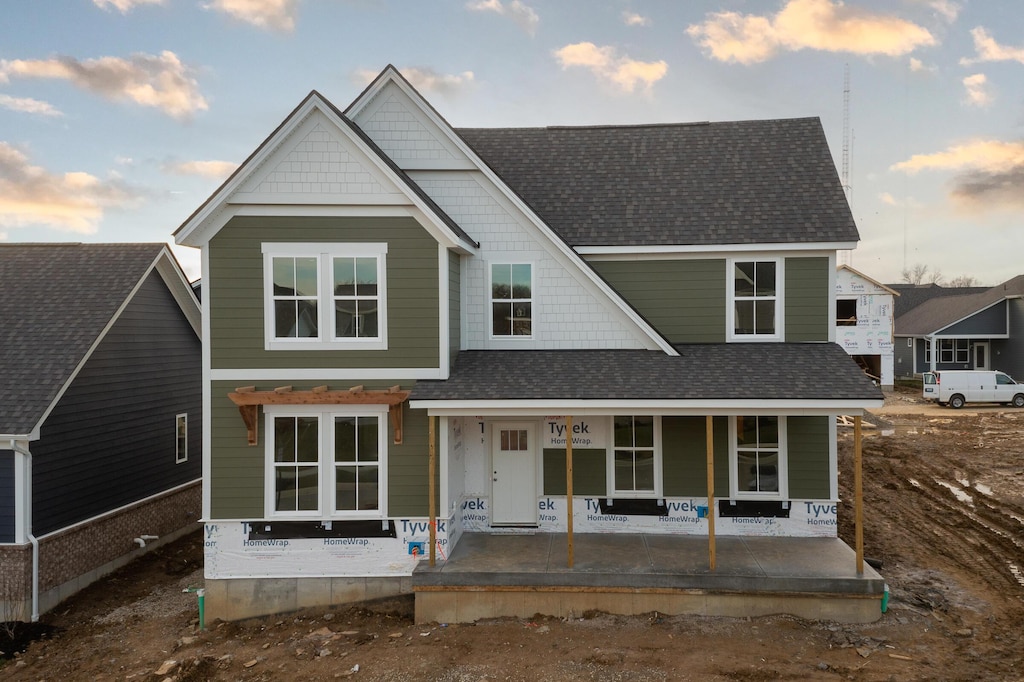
(981, 355)
(514, 477)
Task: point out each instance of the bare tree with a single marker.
(920, 274)
(963, 281)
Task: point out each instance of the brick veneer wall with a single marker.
(71, 559)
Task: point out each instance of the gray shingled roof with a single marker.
(55, 299)
(720, 371)
(938, 313)
(740, 182)
(913, 295)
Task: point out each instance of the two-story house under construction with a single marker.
(576, 367)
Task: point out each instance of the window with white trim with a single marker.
(635, 465)
(511, 300)
(325, 296)
(181, 438)
(326, 463)
(758, 462)
(963, 350)
(754, 300)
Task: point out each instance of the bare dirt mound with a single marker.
(944, 513)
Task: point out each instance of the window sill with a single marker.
(373, 344)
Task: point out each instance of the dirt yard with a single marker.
(944, 495)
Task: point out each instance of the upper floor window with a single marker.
(758, 456)
(512, 300)
(322, 296)
(846, 312)
(754, 299)
(326, 463)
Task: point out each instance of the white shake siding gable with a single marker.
(567, 311)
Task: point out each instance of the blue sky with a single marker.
(119, 117)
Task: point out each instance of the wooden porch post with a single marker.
(711, 490)
(432, 487)
(858, 494)
(568, 484)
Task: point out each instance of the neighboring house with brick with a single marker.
(953, 330)
(100, 414)
(864, 323)
(368, 272)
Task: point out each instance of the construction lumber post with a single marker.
(858, 494)
(432, 487)
(710, 439)
(568, 485)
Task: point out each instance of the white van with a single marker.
(959, 387)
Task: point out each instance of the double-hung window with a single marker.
(758, 460)
(754, 299)
(325, 296)
(511, 300)
(326, 463)
(635, 469)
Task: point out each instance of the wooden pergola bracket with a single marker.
(248, 400)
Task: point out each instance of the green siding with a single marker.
(454, 304)
(237, 469)
(807, 296)
(808, 453)
(684, 456)
(589, 472)
(235, 292)
(683, 299)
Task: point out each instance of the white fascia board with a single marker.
(329, 374)
(5, 438)
(678, 251)
(544, 408)
(391, 76)
(201, 227)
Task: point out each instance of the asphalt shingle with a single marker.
(720, 371)
(739, 182)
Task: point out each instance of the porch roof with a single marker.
(722, 375)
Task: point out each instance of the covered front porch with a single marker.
(522, 574)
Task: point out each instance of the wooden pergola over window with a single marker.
(249, 400)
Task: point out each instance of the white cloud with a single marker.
(978, 93)
(604, 62)
(274, 15)
(988, 50)
(634, 19)
(890, 200)
(424, 79)
(218, 170)
(125, 6)
(27, 105)
(72, 202)
(917, 66)
(159, 81)
(520, 13)
(827, 25)
(946, 9)
(989, 173)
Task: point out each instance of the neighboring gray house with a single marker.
(100, 414)
(983, 330)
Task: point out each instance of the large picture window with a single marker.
(512, 300)
(326, 464)
(634, 465)
(754, 299)
(758, 456)
(321, 296)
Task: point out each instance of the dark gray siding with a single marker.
(1008, 354)
(989, 321)
(903, 357)
(6, 496)
(110, 441)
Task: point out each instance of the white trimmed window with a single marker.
(635, 464)
(758, 457)
(755, 301)
(325, 296)
(511, 300)
(326, 464)
(181, 438)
